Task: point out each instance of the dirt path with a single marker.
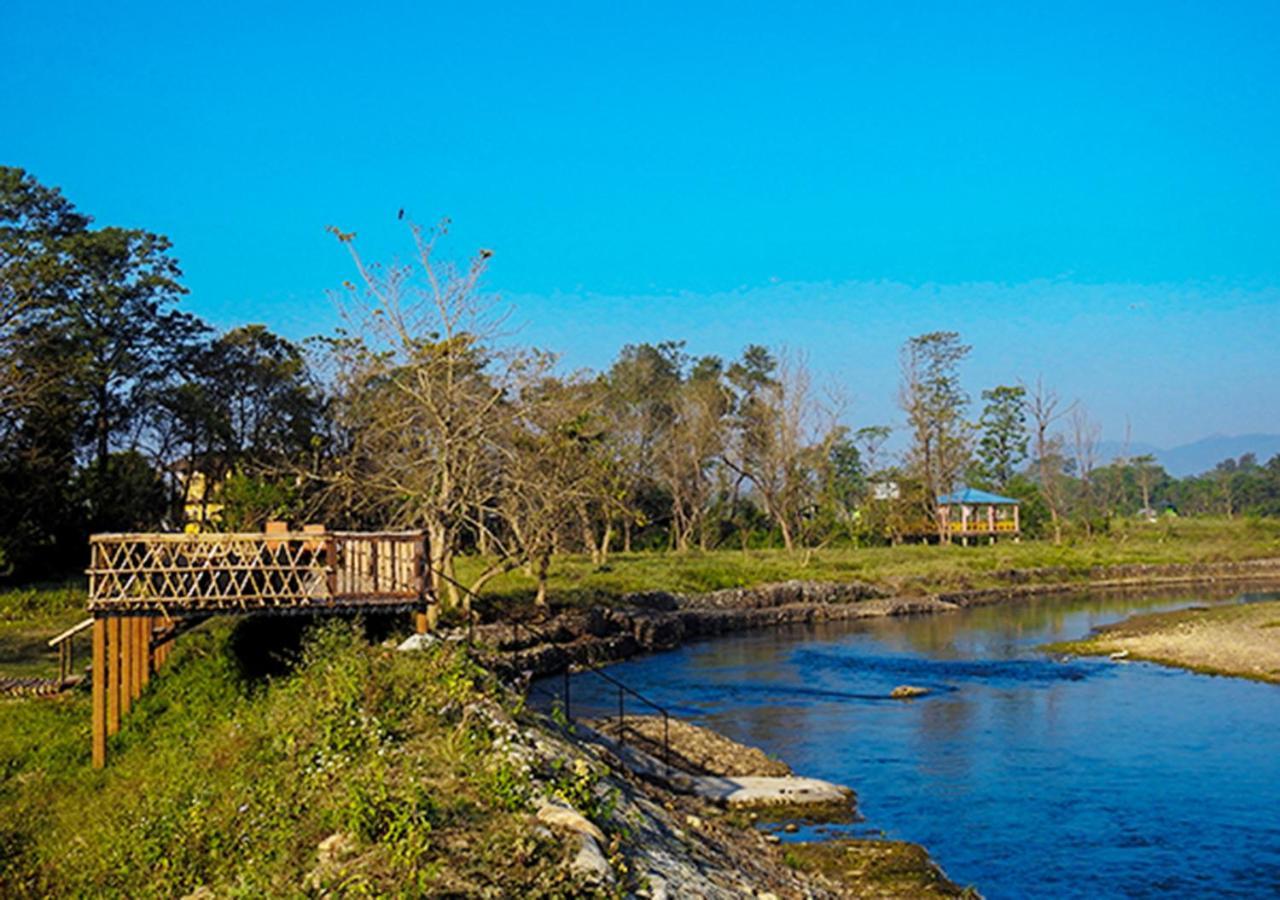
(1239, 640)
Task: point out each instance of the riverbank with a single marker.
(356, 769)
(653, 621)
(1242, 640)
(902, 570)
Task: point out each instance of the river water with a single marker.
(1023, 775)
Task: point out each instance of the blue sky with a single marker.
(1087, 192)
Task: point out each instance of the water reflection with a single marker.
(1025, 775)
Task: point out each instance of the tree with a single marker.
(782, 434)
(1003, 442)
(423, 404)
(552, 468)
(34, 222)
(1085, 434)
(1045, 408)
(1146, 470)
(934, 402)
(697, 440)
(118, 326)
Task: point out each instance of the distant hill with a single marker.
(1199, 456)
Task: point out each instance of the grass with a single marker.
(875, 868)
(228, 778)
(575, 580)
(32, 614)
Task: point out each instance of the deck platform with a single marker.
(145, 589)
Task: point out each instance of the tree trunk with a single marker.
(543, 565)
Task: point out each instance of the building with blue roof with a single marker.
(969, 512)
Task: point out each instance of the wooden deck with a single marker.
(145, 589)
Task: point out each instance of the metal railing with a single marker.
(623, 691)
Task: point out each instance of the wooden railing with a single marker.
(982, 526)
(209, 572)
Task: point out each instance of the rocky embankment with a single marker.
(654, 621)
(634, 834)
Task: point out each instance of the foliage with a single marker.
(230, 782)
(1002, 445)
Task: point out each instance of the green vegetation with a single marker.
(231, 780)
(876, 868)
(29, 616)
(907, 567)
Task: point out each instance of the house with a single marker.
(970, 512)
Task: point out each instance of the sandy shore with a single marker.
(1239, 640)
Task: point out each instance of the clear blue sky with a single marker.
(1089, 191)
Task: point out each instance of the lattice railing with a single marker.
(229, 572)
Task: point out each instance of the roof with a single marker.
(973, 496)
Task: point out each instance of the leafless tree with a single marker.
(692, 443)
(776, 443)
(552, 468)
(1045, 408)
(1085, 434)
(423, 401)
(934, 402)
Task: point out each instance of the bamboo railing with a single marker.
(144, 589)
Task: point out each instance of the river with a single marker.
(1024, 775)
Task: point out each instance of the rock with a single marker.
(773, 839)
(907, 691)
(1120, 654)
(590, 863)
(417, 642)
(693, 822)
(791, 828)
(558, 815)
(762, 791)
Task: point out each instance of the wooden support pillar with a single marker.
(140, 655)
(127, 668)
(146, 650)
(112, 672)
(100, 678)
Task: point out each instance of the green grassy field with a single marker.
(32, 614)
(230, 779)
(910, 567)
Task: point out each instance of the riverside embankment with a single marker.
(654, 621)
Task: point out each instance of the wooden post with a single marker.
(99, 692)
(112, 672)
(1016, 529)
(146, 650)
(127, 633)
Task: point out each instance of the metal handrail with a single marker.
(516, 630)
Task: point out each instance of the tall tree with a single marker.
(1002, 445)
(935, 403)
(1045, 408)
(118, 322)
(423, 401)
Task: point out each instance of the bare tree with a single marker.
(693, 441)
(1085, 434)
(1045, 408)
(552, 468)
(931, 396)
(784, 431)
(423, 402)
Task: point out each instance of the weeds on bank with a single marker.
(230, 781)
